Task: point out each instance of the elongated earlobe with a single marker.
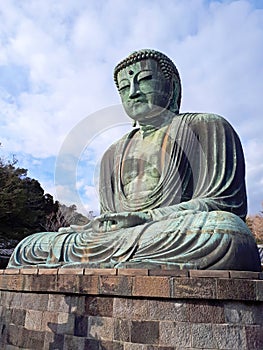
(134, 124)
(173, 107)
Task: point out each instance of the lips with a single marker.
(136, 102)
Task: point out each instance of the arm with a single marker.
(217, 169)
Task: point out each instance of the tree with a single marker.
(65, 216)
(23, 204)
(25, 209)
(255, 223)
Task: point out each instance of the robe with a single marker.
(198, 207)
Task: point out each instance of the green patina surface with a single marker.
(172, 191)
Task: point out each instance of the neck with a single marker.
(157, 121)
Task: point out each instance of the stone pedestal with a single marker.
(130, 309)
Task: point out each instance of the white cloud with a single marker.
(91, 200)
(65, 53)
(254, 162)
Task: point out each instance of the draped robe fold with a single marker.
(198, 207)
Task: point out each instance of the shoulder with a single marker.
(204, 120)
(203, 117)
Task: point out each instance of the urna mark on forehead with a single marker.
(166, 64)
(161, 61)
(134, 68)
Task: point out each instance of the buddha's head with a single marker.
(149, 84)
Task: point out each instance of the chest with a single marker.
(143, 159)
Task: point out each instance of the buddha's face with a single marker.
(144, 90)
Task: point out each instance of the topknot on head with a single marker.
(166, 65)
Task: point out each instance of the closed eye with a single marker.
(124, 88)
(144, 78)
(124, 84)
(145, 75)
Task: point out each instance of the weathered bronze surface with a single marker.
(172, 192)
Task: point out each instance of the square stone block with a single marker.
(236, 289)
(12, 271)
(65, 324)
(95, 344)
(206, 312)
(77, 304)
(12, 335)
(42, 282)
(29, 271)
(89, 285)
(101, 328)
(209, 273)
(15, 282)
(254, 335)
(197, 288)
(71, 342)
(152, 286)
(244, 275)
(33, 320)
(34, 301)
(202, 336)
(29, 282)
(177, 334)
(169, 272)
(47, 271)
(130, 346)
(131, 309)
(4, 282)
(99, 306)
(229, 337)
(53, 341)
(18, 317)
(145, 332)
(33, 339)
(58, 303)
(133, 272)
(116, 285)
(243, 313)
(81, 326)
(68, 283)
(49, 321)
(167, 310)
(122, 330)
(71, 271)
(100, 272)
(259, 290)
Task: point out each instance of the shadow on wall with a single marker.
(63, 323)
(82, 328)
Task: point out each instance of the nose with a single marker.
(134, 90)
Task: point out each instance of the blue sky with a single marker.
(56, 64)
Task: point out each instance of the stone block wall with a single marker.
(130, 309)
